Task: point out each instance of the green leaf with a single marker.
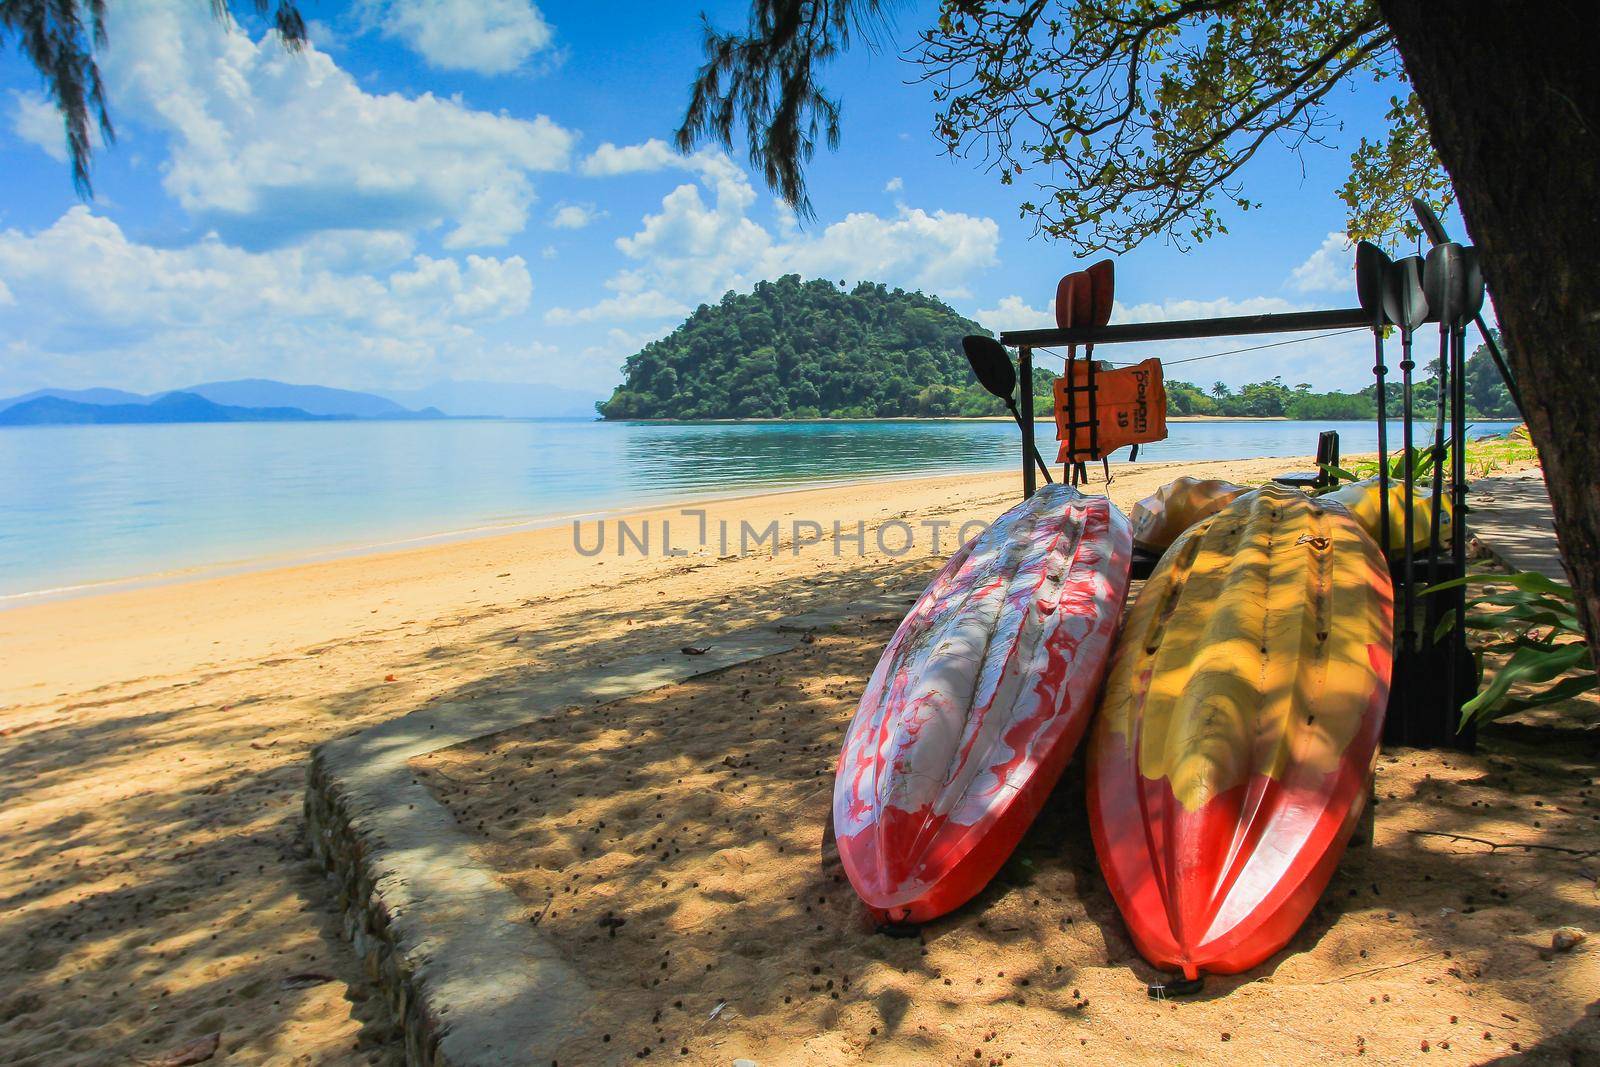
(1447, 622)
(1338, 472)
(1527, 666)
(1565, 689)
(1527, 581)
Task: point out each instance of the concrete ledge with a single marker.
(468, 980)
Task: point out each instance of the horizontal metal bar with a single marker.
(1180, 329)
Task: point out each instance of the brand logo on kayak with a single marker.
(698, 534)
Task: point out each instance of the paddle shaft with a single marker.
(1038, 459)
(1458, 498)
(1025, 392)
(1378, 372)
(1409, 632)
(1436, 512)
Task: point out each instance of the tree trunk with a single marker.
(1512, 93)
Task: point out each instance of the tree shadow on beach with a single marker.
(669, 844)
(126, 941)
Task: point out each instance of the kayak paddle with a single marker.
(992, 367)
(1405, 304)
(1437, 235)
(1372, 269)
(1444, 281)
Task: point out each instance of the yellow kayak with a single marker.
(1239, 726)
(1363, 497)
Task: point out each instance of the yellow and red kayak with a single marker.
(1239, 727)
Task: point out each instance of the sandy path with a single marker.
(153, 889)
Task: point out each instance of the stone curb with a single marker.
(468, 980)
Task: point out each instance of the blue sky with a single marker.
(480, 189)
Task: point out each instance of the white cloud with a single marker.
(486, 287)
(574, 216)
(36, 120)
(267, 145)
(694, 250)
(1014, 313)
(893, 185)
(485, 36)
(1329, 269)
(610, 159)
(166, 316)
(6, 299)
(638, 305)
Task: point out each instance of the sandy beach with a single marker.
(153, 885)
(154, 890)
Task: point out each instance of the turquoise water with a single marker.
(87, 504)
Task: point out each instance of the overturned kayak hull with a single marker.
(1159, 518)
(1364, 500)
(978, 702)
(1239, 729)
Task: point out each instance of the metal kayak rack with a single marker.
(1434, 672)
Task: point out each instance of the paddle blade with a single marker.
(1372, 268)
(1404, 302)
(1472, 282)
(1443, 279)
(1083, 300)
(1102, 286)
(1067, 299)
(991, 365)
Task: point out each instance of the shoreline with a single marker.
(152, 568)
(332, 553)
(173, 627)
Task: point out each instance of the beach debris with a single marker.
(716, 1011)
(611, 923)
(745, 1063)
(197, 1051)
(691, 650)
(1567, 938)
(302, 979)
(388, 677)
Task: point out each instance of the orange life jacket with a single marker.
(1129, 408)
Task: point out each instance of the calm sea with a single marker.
(87, 504)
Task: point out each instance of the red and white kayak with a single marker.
(978, 703)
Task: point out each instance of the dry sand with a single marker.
(153, 887)
(673, 845)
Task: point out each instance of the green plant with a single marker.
(1360, 469)
(1538, 626)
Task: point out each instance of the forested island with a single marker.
(795, 349)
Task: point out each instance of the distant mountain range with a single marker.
(264, 400)
(173, 407)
